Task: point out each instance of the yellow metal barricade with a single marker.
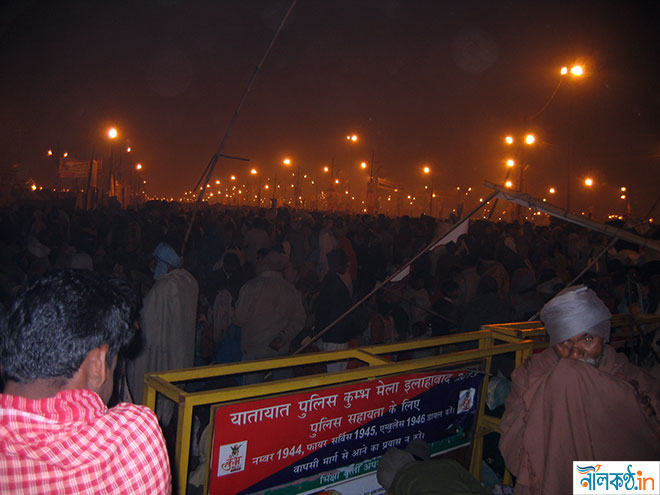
(486, 343)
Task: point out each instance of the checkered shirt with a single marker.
(72, 443)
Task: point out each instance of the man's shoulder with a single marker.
(137, 416)
(537, 365)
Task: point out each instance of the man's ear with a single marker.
(96, 368)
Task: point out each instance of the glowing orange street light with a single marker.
(509, 139)
(588, 182)
(363, 165)
(624, 188)
(427, 169)
(50, 152)
(66, 154)
(552, 190)
(233, 177)
(326, 169)
(336, 181)
(623, 196)
(508, 184)
(286, 161)
(510, 163)
(576, 71)
(112, 133)
(253, 171)
(352, 137)
(530, 138)
(138, 166)
(128, 150)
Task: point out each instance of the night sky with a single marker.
(436, 83)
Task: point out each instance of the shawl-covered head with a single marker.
(573, 311)
(165, 255)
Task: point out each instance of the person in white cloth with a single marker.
(579, 400)
(168, 323)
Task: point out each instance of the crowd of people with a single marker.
(244, 284)
(271, 277)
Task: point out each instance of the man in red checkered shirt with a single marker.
(58, 351)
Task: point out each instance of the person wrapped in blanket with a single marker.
(579, 400)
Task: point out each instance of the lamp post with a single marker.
(372, 196)
(254, 172)
(576, 71)
(427, 171)
(529, 139)
(112, 135)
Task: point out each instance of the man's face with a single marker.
(584, 347)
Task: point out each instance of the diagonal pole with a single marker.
(218, 153)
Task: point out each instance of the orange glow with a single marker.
(50, 152)
(138, 166)
(564, 71)
(530, 139)
(588, 182)
(509, 140)
(510, 163)
(253, 171)
(508, 184)
(112, 133)
(427, 170)
(34, 187)
(363, 165)
(233, 177)
(576, 70)
(552, 190)
(286, 161)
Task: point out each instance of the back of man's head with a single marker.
(54, 323)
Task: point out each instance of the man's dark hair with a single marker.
(54, 323)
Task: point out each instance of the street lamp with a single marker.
(427, 171)
(588, 182)
(112, 135)
(575, 71)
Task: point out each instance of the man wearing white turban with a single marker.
(579, 400)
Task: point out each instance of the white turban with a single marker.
(573, 311)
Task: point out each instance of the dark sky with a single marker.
(422, 82)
